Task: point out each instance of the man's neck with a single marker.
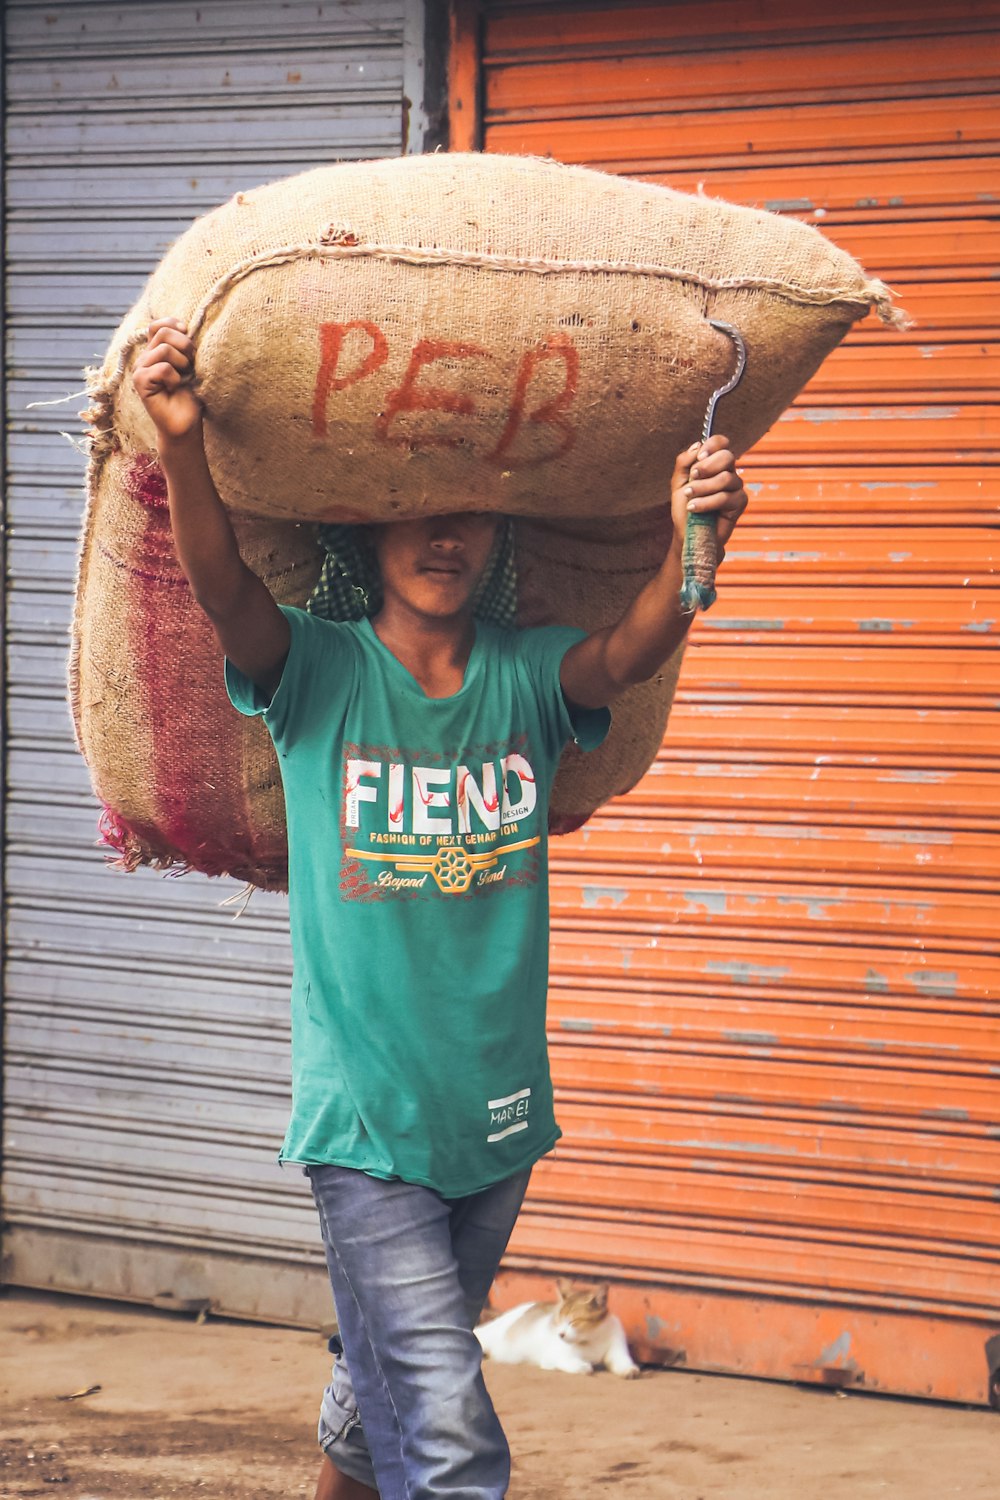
(433, 650)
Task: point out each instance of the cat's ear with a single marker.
(564, 1287)
(599, 1297)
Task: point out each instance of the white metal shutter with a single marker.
(146, 1037)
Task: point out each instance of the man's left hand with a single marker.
(705, 479)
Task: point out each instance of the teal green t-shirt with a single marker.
(418, 890)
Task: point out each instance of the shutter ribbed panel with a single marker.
(146, 1030)
(776, 975)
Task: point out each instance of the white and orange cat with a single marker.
(575, 1334)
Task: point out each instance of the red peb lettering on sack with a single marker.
(331, 340)
(409, 397)
(551, 413)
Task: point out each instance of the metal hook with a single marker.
(700, 544)
(732, 382)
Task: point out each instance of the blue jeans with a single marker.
(407, 1411)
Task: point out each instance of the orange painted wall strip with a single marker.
(781, 72)
(527, 27)
(464, 76)
(710, 1329)
(907, 129)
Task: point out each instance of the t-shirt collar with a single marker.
(473, 666)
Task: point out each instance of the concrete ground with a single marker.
(161, 1406)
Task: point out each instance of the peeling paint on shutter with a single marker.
(776, 971)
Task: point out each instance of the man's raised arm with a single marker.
(252, 631)
(597, 669)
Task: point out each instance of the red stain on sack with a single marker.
(146, 482)
(135, 844)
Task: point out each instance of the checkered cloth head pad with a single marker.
(349, 586)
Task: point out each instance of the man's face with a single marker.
(434, 564)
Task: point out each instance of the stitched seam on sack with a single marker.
(414, 255)
(103, 389)
(420, 256)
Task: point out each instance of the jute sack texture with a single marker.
(379, 340)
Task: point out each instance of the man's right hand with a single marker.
(162, 378)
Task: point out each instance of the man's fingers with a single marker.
(711, 463)
(157, 324)
(714, 489)
(171, 355)
(717, 463)
(164, 353)
(726, 508)
(161, 377)
(684, 462)
(730, 506)
(170, 337)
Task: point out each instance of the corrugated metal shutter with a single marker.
(776, 982)
(146, 1032)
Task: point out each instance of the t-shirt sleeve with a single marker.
(541, 650)
(318, 670)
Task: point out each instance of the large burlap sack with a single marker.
(384, 339)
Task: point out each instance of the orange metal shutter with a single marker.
(775, 976)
